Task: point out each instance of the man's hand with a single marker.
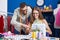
(24, 25)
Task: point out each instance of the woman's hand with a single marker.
(49, 32)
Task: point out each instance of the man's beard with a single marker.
(24, 13)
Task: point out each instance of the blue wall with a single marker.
(13, 4)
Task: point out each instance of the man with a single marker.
(19, 18)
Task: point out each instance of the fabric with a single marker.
(58, 18)
(16, 32)
(8, 22)
(9, 26)
(1, 24)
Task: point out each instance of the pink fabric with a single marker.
(7, 34)
(58, 18)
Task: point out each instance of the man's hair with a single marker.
(22, 5)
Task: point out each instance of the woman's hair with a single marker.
(40, 14)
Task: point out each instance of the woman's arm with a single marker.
(47, 27)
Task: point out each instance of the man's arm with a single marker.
(14, 22)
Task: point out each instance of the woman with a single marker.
(36, 17)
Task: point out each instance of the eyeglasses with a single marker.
(24, 10)
(35, 13)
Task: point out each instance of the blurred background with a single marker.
(7, 8)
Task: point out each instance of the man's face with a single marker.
(24, 10)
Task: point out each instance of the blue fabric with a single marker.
(57, 33)
(22, 32)
(47, 34)
(16, 32)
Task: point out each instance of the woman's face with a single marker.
(35, 14)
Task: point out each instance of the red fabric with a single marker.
(10, 27)
(8, 22)
(1, 24)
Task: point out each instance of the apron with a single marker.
(39, 25)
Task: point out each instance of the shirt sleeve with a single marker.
(29, 11)
(13, 21)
